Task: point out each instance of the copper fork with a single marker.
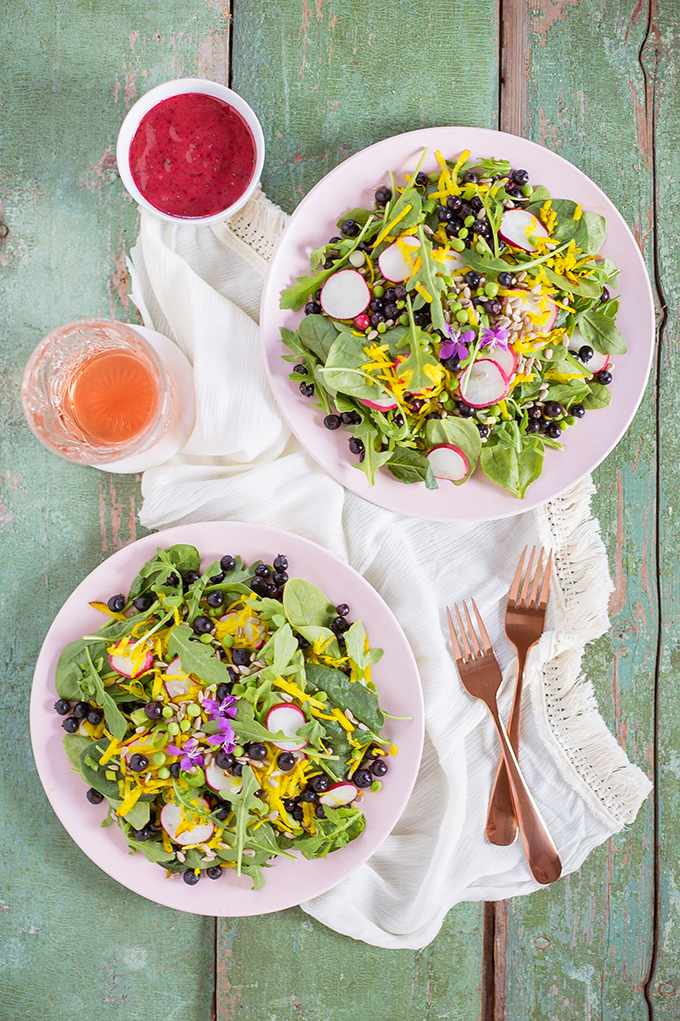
(524, 625)
(481, 677)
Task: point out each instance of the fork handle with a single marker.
(501, 821)
(544, 861)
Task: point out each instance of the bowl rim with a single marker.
(177, 87)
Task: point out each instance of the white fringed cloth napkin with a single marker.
(201, 287)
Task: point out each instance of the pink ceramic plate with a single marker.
(287, 882)
(352, 184)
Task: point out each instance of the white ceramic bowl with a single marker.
(179, 87)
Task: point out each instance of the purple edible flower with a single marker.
(222, 713)
(496, 336)
(215, 709)
(226, 737)
(457, 344)
(191, 755)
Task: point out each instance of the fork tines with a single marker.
(533, 598)
(471, 649)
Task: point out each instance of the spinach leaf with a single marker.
(68, 675)
(356, 641)
(89, 758)
(596, 226)
(514, 470)
(583, 287)
(346, 694)
(459, 432)
(599, 397)
(339, 828)
(343, 370)
(411, 466)
(600, 331)
(318, 335)
(74, 746)
(281, 649)
(195, 657)
(304, 603)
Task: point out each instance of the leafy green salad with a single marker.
(464, 319)
(227, 716)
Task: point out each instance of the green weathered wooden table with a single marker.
(595, 81)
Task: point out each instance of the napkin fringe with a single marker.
(588, 755)
(253, 232)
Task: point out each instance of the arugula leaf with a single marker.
(343, 369)
(295, 296)
(410, 466)
(540, 194)
(95, 777)
(374, 456)
(115, 721)
(176, 559)
(339, 828)
(346, 694)
(412, 370)
(427, 276)
(242, 803)
(356, 641)
(459, 432)
(195, 657)
(600, 331)
(584, 287)
(153, 850)
(247, 727)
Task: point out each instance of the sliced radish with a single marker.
(177, 682)
(345, 294)
(287, 718)
(131, 666)
(453, 262)
(393, 265)
(505, 359)
(518, 225)
(483, 384)
(339, 794)
(381, 404)
(598, 362)
(222, 781)
(543, 309)
(173, 815)
(448, 462)
(254, 630)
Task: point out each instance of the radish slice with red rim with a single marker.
(484, 384)
(449, 462)
(518, 226)
(131, 666)
(345, 294)
(339, 794)
(393, 266)
(171, 817)
(287, 718)
(505, 359)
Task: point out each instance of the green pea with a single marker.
(458, 246)
(468, 221)
(164, 773)
(193, 709)
(228, 641)
(491, 288)
(403, 320)
(158, 758)
(206, 639)
(527, 190)
(401, 304)
(452, 295)
(381, 327)
(434, 176)
(462, 316)
(167, 712)
(469, 192)
(376, 786)
(185, 725)
(378, 291)
(570, 420)
(173, 728)
(238, 751)
(463, 233)
(494, 410)
(456, 306)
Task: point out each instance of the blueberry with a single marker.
(338, 625)
(202, 625)
(553, 409)
(350, 228)
(81, 709)
(175, 770)
(190, 877)
(215, 599)
(307, 389)
(311, 797)
(520, 177)
(342, 609)
(285, 761)
(605, 294)
(376, 305)
(138, 763)
(476, 203)
(214, 872)
(222, 691)
(400, 292)
(356, 446)
(577, 410)
(604, 377)
(422, 179)
(281, 562)
(379, 767)
(415, 404)
(383, 196)
(505, 280)
(301, 370)
(332, 421)
(362, 778)
(373, 752)
(215, 579)
(585, 353)
(153, 710)
(280, 578)
(259, 585)
(224, 760)
(392, 311)
(422, 317)
(320, 812)
(454, 202)
(378, 317)
(443, 214)
(227, 563)
(143, 602)
(172, 581)
(494, 307)
(331, 241)
(237, 769)
(94, 797)
(256, 750)
(142, 835)
(452, 363)
(479, 227)
(262, 571)
(470, 178)
(116, 603)
(302, 642)
(553, 431)
(483, 429)
(95, 716)
(223, 811)
(63, 707)
(289, 804)
(533, 426)
(535, 412)
(472, 278)
(313, 308)
(190, 578)
(232, 674)
(297, 813)
(70, 724)
(240, 657)
(320, 783)
(465, 410)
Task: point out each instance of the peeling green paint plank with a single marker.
(583, 948)
(73, 943)
(662, 62)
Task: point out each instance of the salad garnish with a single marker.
(464, 319)
(228, 716)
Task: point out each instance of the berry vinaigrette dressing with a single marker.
(192, 155)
